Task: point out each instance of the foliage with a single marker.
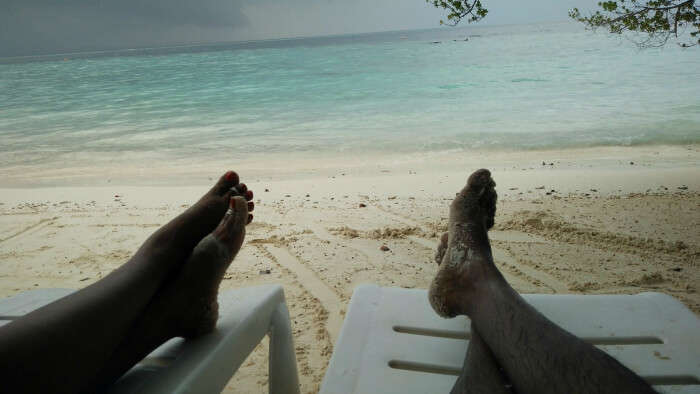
(657, 19)
(472, 10)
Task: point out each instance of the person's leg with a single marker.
(186, 306)
(480, 372)
(61, 345)
(536, 355)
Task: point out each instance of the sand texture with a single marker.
(589, 223)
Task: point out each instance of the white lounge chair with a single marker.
(393, 342)
(206, 364)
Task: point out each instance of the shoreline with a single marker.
(155, 171)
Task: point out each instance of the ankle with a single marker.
(489, 285)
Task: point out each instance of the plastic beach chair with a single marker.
(393, 342)
(206, 364)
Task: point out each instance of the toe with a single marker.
(477, 182)
(442, 247)
(237, 219)
(177, 238)
(477, 200)
(480, 179)
(231, 230)
(488, 201)
(242, 190)
(484, 189)
(225, 183)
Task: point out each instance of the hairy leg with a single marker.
(480, 371)
(61, 345)
(186, 306)
(537, 355)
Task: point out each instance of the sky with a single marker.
(32, 27)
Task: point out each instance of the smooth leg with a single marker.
(536, 355)
(186, 306)
(61, 346)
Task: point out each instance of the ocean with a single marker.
(476, 87)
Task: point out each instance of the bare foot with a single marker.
(442, 248)
(175, 240)
(186, 304)
(193, 294)
(464, 254)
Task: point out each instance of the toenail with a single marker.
(249, 194)
(230, 176)
(251, 206)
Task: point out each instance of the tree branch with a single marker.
(647, 9)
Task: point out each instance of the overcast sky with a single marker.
(30, 27)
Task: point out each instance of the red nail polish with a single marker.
(230, 176)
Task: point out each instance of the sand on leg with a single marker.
(537, 355)
(480, 371)
(60, 346)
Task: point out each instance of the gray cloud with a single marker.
(29, 27)
(41, 26)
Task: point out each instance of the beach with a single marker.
(354, 146)
(606, 220)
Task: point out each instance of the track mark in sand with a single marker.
(531, 275)
(517, 237)
(28, 228)
(308, 279)
(556, 228)
(396, 216)
(428, 243)
(517, 274)
(316, 327)
(321, 233)
(143, 225)
(423, 242)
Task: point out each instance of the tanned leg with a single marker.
(537, 355)
(57, 348)
(480, 374)
(187, 306)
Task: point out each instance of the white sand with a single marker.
(590, 223)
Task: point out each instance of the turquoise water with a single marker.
(514, 87)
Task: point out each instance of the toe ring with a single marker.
(229, 211)
(235, 191)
